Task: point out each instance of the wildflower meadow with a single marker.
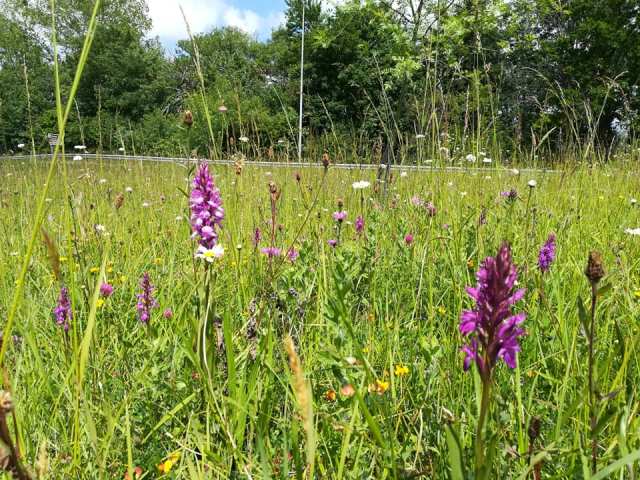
(410, 251)
(188, 320)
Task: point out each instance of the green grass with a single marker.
(114, 394)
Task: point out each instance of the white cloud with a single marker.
(204, 15)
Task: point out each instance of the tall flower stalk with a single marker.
(63, 311)
(493, 331)
(594, 273)
(146, 300)
(547, 254)
(207, 212)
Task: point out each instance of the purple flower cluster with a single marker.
(359, 225)
(63, 312)
(416, 201)
(492, 328)
(510, 195)
(408, 239)
(340, 216)
(257, 236)
(292, 254)
(146, 300)
(206, 208)
(271, 251)
(547, 254)
(106, 290)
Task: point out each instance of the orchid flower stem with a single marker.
(592, 396)
(484, 410)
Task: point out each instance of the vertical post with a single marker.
(301, 87)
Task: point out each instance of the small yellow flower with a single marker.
(158, 261)
(401, 370)
(600, 197)
(365, 349)
(110, 270)
(167, 465)
(100, 302)
(63, 259)
(379, 387)
(637, 294)
(470, 263)
(123, 278)
(94, 269)
(442, 310)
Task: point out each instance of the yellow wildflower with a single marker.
(123, 278)
(158, 261)
(167, 465)
(62, 259)
(379, 387)
(637, 294)
(109, 269)
(442, 310)
(94, 269)
(100, 302)
(401, 370)
(470, 263)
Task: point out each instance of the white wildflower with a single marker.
(210, 254)
(360, 185)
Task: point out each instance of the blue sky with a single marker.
(257, 17)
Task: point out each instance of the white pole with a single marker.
(301, 88)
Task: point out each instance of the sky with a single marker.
(256, 17)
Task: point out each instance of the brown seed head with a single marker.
(6, 403)
(274, 192)
(534, 429)
(119, 201)
(595, 269)
(340, 203)
(187, 119)
(325, 160)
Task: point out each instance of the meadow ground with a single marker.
(208, 387)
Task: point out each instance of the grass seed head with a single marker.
(595, 268)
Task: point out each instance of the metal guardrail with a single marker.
(343, 166)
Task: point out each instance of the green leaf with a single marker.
(455, 454)
(582, 315)
(617, 465)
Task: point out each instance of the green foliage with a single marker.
(521, 80)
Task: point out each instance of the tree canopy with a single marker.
(518, 76)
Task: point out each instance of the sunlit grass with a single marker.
(373, 313)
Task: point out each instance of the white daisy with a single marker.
(210, 254)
